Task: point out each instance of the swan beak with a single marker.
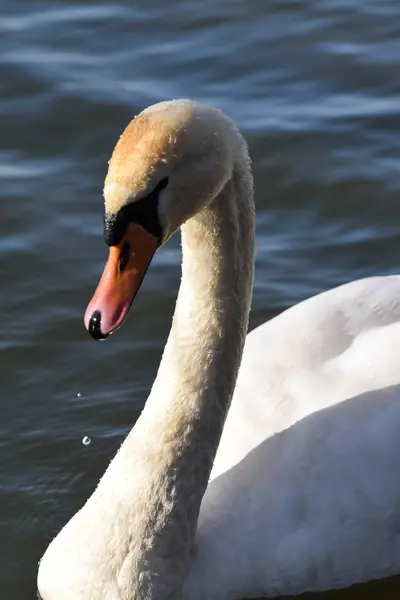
(126, 266)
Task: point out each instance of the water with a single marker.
(314, 87)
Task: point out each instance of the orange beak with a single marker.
(126, 266)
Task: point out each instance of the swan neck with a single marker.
(199, 367)
(172, 447)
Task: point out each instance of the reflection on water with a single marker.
(314, 87)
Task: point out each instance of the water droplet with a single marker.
(86, 440)
(78, 395)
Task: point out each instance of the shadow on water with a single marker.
(385, 589)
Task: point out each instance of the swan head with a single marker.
(171, 161)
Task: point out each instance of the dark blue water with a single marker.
(313, 85)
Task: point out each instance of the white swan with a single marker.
(305, 489)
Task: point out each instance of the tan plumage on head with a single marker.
(156, 142)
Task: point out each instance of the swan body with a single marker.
(261, 465)
(305, 475)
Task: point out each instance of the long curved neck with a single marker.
(173, 444)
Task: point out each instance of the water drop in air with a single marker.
(86, 440)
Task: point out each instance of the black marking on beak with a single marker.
(95, 326)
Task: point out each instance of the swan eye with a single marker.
(143, 212)
(163, 184)
(125, 255)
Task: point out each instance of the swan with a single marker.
(297, 488)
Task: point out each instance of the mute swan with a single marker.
(304, 492)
